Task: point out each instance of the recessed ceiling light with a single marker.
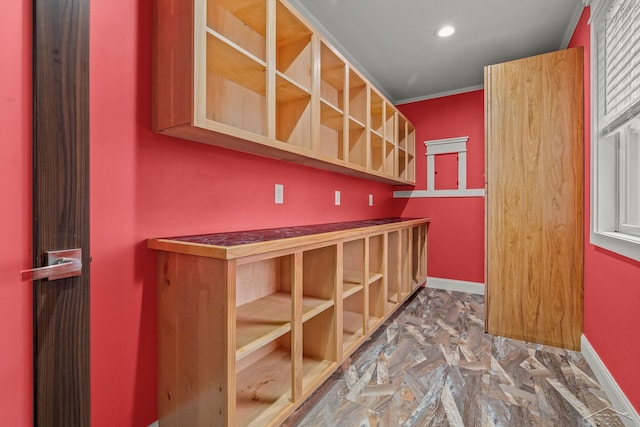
(446, 31)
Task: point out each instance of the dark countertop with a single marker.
(236, 238)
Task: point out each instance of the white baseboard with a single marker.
(455, 285)
(616, 396)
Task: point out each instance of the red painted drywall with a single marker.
(456, 234)
(145, 185)
(611, 282)
(15, 214)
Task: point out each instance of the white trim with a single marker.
(441, 94)
(155, 424)
(616, 396)
(446, 146)
(455, 285)
(457, 146)
(573, 23)
(603, 160)
(419, 194)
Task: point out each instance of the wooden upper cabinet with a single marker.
(255, 76)
(534, 205)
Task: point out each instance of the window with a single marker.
(629, 179)
(615, 145)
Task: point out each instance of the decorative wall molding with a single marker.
(417, 194)
(444, 146)
(447, 146)
(616, 396)
(455, 285)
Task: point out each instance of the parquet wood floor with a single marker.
(433, 365)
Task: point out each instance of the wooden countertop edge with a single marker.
(238, 251)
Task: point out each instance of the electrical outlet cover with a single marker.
(279, 194)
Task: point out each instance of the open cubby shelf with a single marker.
(256, 76)
(261, 321)
(263, 388)
(259, 324)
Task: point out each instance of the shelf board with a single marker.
(229, 60)
(355, 124)
(352, 322)
(289, 29)
(313, 370)
(355, 276)
(350, 342)
(352, 276)
(349, 289)
(393, 297)
(418, 281)
(373, 277)
(288, 90)
(313, 306)
(261, 321)
(263, 389)
(390, 146)
(374, 322)
(250, 12)
(352, 332)
(331, 116)
(390, 306)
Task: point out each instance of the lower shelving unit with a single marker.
(247, 331)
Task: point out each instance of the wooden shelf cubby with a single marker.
(256, 76)
(293, 78)
(394, 275)
(250, 324)
(406, 149)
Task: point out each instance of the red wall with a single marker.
(611, 282)
(15, 213)
(145, 185)
(456, 234)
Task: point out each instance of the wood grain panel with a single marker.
(534, 113)
(61, 210)
(196, 363)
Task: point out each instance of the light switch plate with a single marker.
(279, 194)
(337, 198)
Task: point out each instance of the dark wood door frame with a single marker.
(61, 209)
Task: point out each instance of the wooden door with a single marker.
(534, 204)
(61, 209)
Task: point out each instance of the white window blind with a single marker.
(615, 136)
(621, 63)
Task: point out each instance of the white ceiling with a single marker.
(393, 42)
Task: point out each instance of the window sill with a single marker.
(620, 243)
